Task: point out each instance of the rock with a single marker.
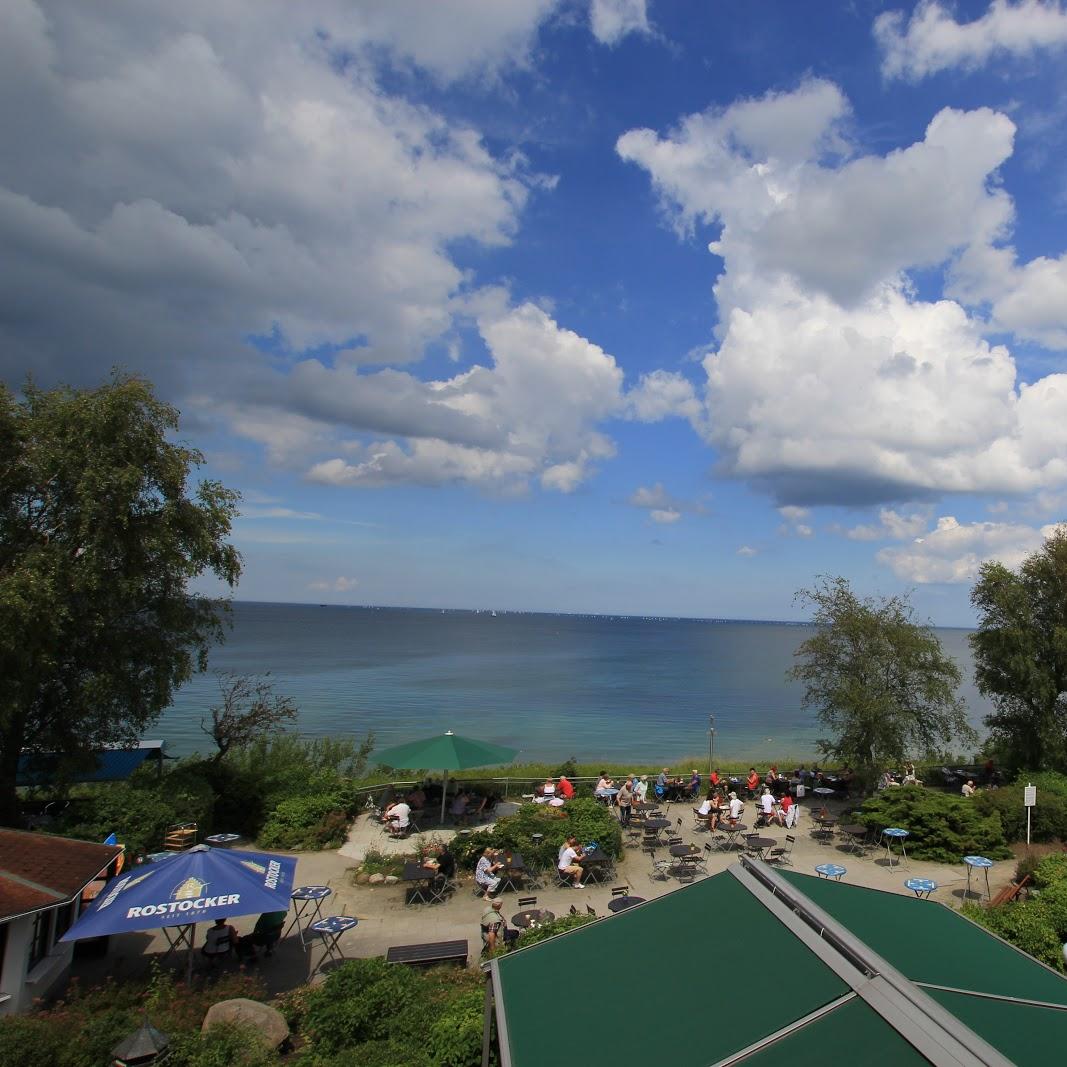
(376, 879)
(391, 879)
(362, 878)
(267, 1023)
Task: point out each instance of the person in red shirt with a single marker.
(752, 782)
(713, 778)
(564, 788)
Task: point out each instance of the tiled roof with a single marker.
(37, 870)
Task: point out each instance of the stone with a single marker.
(362, 878)
(376, 879)
(391, 879)
(267, 1023)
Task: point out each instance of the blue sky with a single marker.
(576, 305)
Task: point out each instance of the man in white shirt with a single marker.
(766, 803)
(568, 864)
(736, 807)
(968, 788)
(399, 818)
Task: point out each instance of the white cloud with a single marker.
(662, 507)
(612, 20)
(664, 515)
(831, 381)
(932, 40)
(335, 585)
(747, 550)
(892, 525)
(792, 513)
(663, 394)
(954, 552)
(276, 513)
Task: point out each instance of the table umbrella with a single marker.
(180, 889)
(447, 752)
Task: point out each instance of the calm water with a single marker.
(551, 685)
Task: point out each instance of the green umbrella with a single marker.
(448, 752)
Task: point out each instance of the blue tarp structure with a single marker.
(200, 885)
(111, 764)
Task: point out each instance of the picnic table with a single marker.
(331, 930)
(308, 900)
(891, 834)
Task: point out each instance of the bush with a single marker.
(1050, 869)
(309, 822)
(1052, 901)
(543, 931)
(455, 1038)
(942, 828)
(586, 819)
(221, 1046)
(1048, 819)
(1026, 925)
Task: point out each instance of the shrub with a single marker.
(1025, 924)
(543, 931)
(316, 821)
(941, 828)
(585, 818)
(455, 1038)
(221, 1046)
(1052, 901)
(1048, 819)
(1050, 869)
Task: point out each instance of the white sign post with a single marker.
(1029, 801)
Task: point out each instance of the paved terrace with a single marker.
(385, 920)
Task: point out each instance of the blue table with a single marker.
(978, 863)
(331, 931)
(308, 900)
(830, 870)
(891, 834)
(921, 887)
(222, 840)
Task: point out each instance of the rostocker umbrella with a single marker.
(448, 752)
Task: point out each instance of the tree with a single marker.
(881, 683)
(250, 710)
(1020, 654)
(100, 536)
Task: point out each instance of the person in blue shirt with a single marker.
(694, 783)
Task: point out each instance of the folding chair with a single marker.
(783, 854)
(620, 891)
(590, 911)
(526, 902)
(574, 910)
(660, 868)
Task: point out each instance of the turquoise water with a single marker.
(553, 686)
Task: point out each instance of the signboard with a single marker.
(1030, 796)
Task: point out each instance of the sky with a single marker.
(658, 307)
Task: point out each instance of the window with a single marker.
(65, 917)
(41, 939)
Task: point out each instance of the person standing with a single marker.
(625, 800)
(495, 931)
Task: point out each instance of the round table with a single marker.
(891, 834)
(759, 845)
(617, 904)
(656, 824)
(331, 930)
(823, 791)
(921, 887)
(531, 917)
(978, 863)
(830, 870)
(222, 840)
(308, 899)
(678, 851)
(857, 834)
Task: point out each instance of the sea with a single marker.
(595, 687)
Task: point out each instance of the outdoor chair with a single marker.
(685, 869)
(590, 911)
(660, 868)
(783, 854)
(633, 836)
(574, 910)
(620, 891)
(526, 902)
(700, 822)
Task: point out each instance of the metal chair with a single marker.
(620, 891)
(590, 911)
(660, 868)
(526, 902)
(574, 910)
(783, 854)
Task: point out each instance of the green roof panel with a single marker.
(929, 942)
(852, 1034)
(640, 983)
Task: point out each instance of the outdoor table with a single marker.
(222, 840)
(644, 805)
(825, 826)
(606, 794)
(531, 917)
(331, 930)
(421, 879)
(731, 832)
(823, 791)
(308, 900)
(857, 835)
(656, 825)
(596, 865)
(891, 834)
(514, 868)
(921, 887)
(978, 863)
(617, 904)
(759, 845)
(830, 870)
(678, 851)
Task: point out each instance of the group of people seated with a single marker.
(222, 938)
(555, 792)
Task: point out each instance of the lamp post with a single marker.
(711, 744)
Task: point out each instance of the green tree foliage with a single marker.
(1020, 654)
(879, 681)
(100, 534)
(1025, 925)
(941, 827)
(1048, 820)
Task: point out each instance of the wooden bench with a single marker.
(430, 954)
(1009, 892)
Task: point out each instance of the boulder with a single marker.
(376, 879)
(391, 879)
(267, 1023)
(362, 878)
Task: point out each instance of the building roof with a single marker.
(758, 966)
(40, 870)
(111, 764)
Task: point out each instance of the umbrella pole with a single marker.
(189, 962)
(444, 797)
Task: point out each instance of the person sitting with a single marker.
(416, 798)
(266, 934)
(713, 779)
(694, 783)
(909, 775)
(887, 780)
(752, 781)
(398, 818)
(604, 782)
(444, 863)
(549, 788)
(770, 779)
(495, 929)
(766, 803)
(567, 862)
(564, 787)
(785, 807)
(705, 808)
(736, 807)
(715, 810)
(220, 940)
(458, 808)
(967, 789)
(485, 873)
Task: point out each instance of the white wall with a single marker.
(21, 988)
